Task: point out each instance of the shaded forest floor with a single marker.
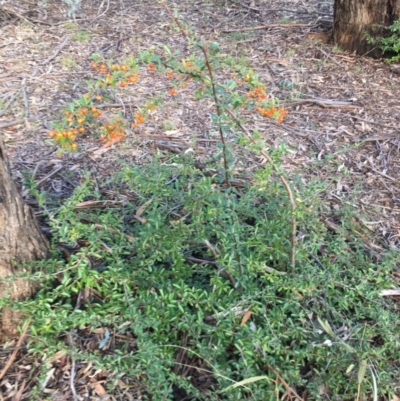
(342, 127)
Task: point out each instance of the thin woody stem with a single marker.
(219, 114)
(215, 97)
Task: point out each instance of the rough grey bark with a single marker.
(20, 241)
(353, 18)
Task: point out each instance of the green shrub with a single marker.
(178, 267)
(390, 44)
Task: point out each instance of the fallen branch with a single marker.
(55, 54)
(55, 171)
(268, 26)
(11, 123)
(375, 138)
(10, 102)
(325, 103)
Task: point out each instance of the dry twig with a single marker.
(57, 51)
(268, 26)
(11, 123)
(9, 103)
(288, 389)
(15, 352)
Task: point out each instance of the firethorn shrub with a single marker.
(187, 266)
(242, 91)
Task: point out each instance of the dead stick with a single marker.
(269, 26)
(284, 182)
(287, 387)
(128, 237)
(11, 123)
(72, 374)
(55, 54)
(15, 352)
(25, 94)
(18, 396)
(325, 103)
(9, 103)
(56, 170)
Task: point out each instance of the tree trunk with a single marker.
(20, 241)
(353, 18)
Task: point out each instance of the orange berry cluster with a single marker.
(75, 122)
(141, 115)
(139, 119)
(188, 64)
(150, 106)
(278, 113)
(84, 114)
(113, 131)
(258, 94)
(65, 138)
(127, 77)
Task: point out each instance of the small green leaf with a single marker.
(247, 381)
(327, 328)
(361, 371)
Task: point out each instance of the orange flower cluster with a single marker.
(110, 79)
(170, 74)
(152, 67)
(187, 64)
(113, 131)
(119, 67)
(259, 94)
(150, 106)
(139, 119)
(172, 92)
(133, 78)
(278, 113)
(65, 138)
(75, 122)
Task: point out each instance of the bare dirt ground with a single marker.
(342, 126)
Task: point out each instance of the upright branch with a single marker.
(219, 114)
(214, 92)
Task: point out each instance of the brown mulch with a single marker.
(342, 127)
